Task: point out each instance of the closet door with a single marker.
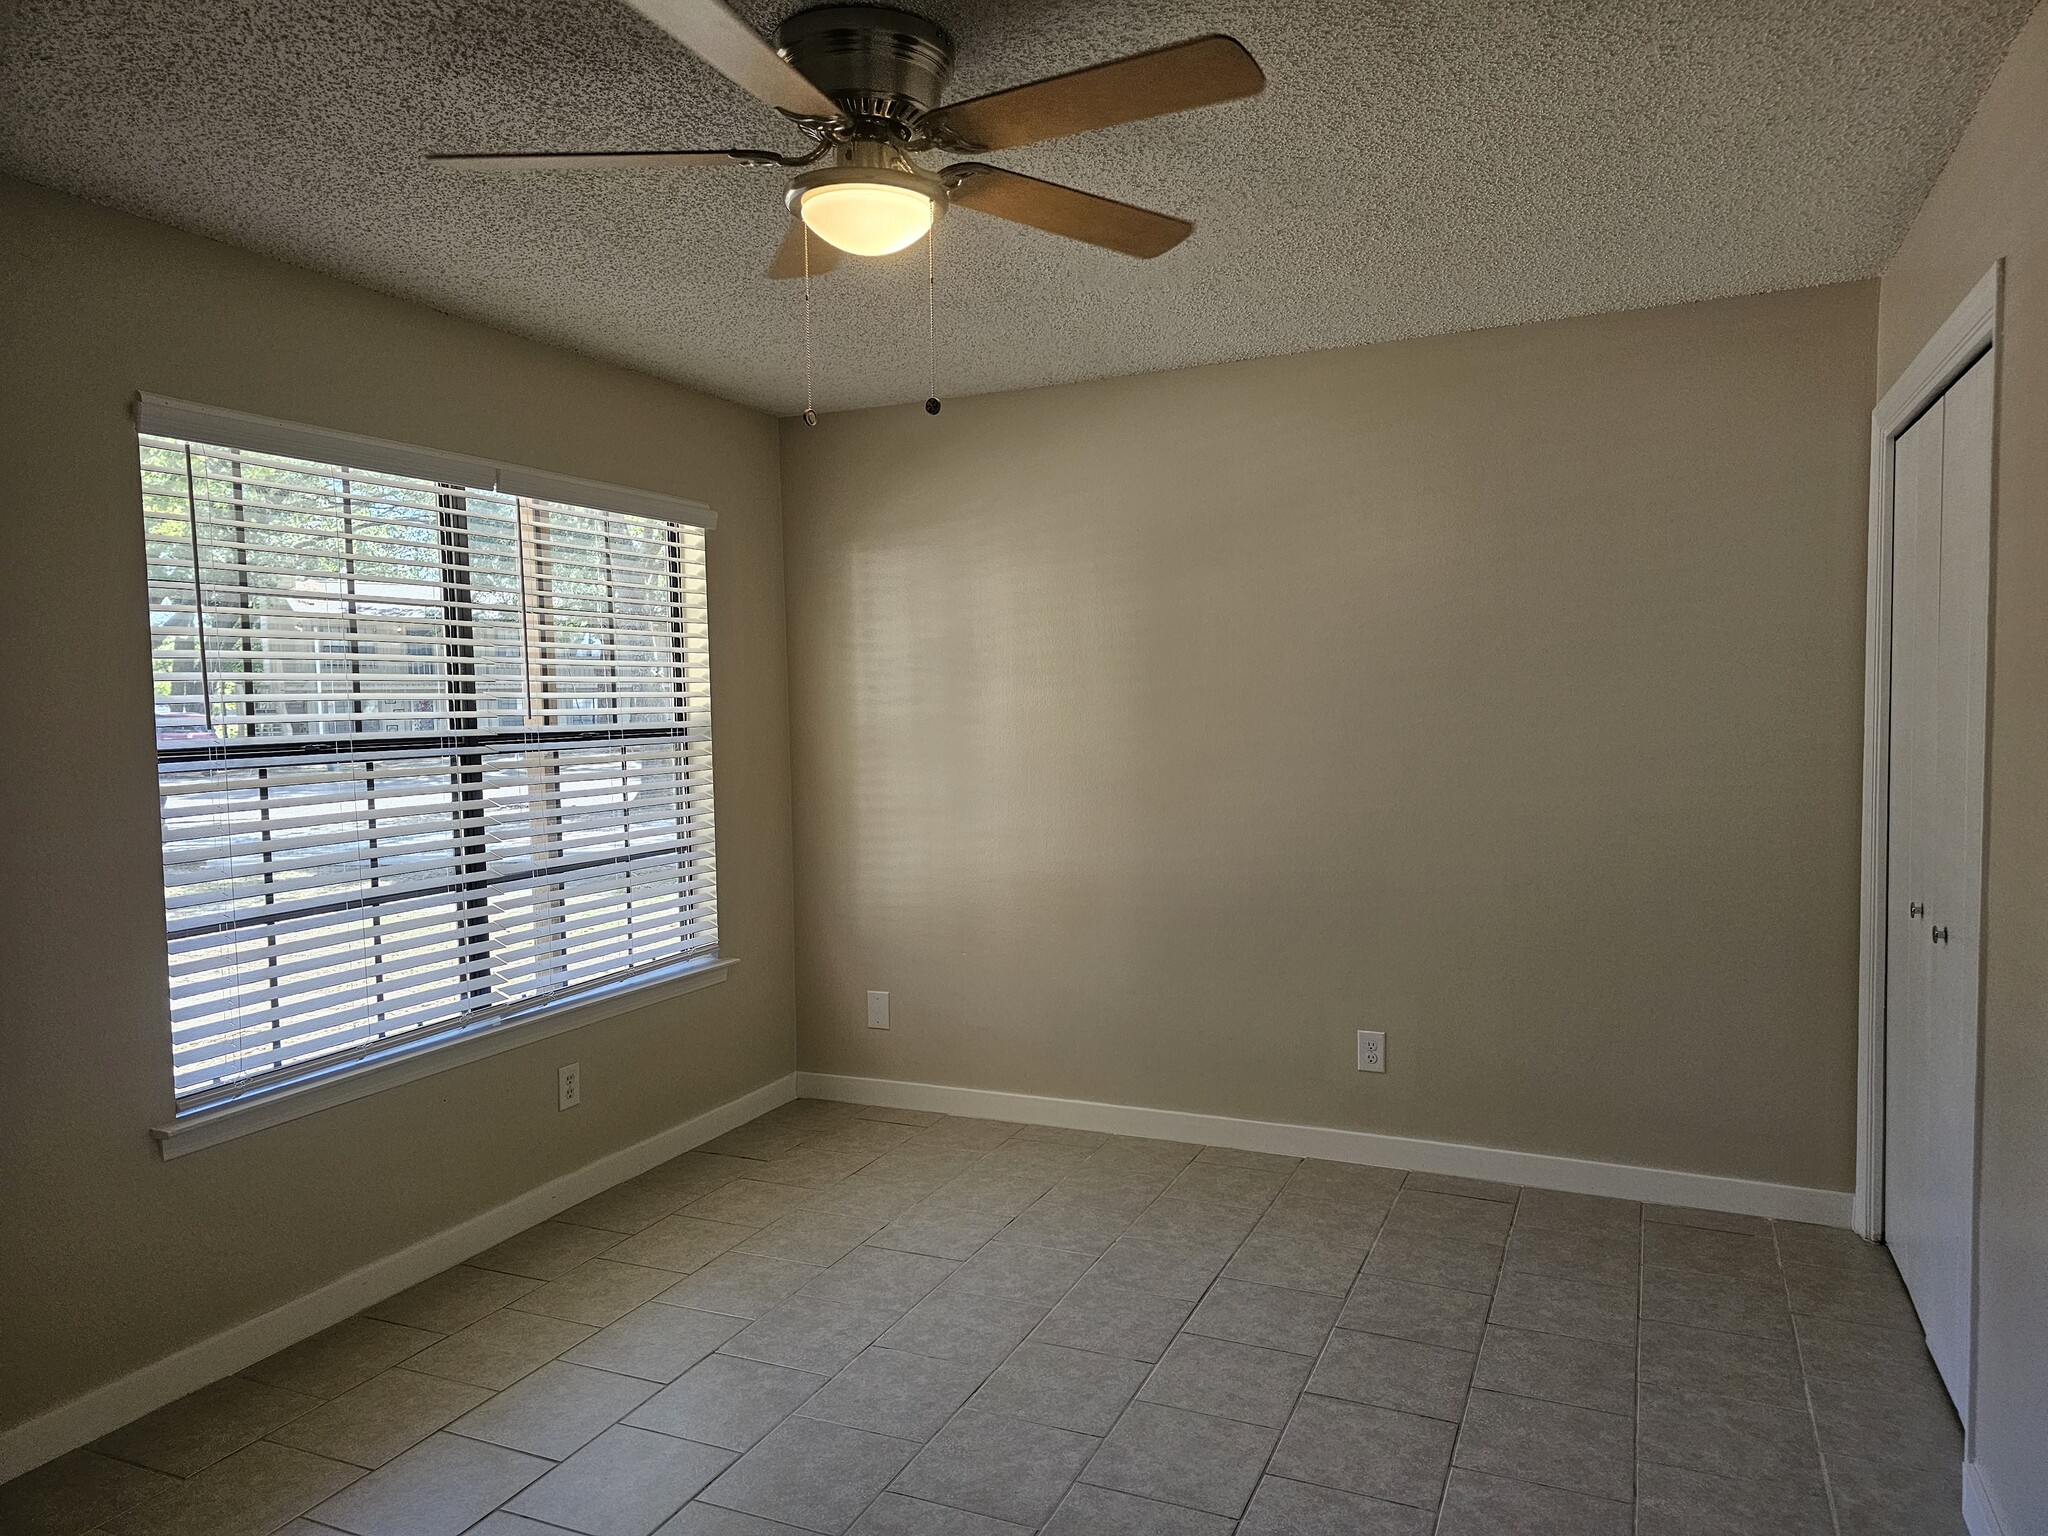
(1939, 611)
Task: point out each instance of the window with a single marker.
(431, 753)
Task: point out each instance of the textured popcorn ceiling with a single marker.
(1415, 166)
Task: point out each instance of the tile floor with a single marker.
(890, 1323)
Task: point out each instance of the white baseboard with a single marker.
(1980, 1509)
(1664, 1186)
(105, 1408)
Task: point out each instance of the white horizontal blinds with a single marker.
(427, 753)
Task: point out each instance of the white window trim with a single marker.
(317, 1089)
(262, 434)
(275, 1101)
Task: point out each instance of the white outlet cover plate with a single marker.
(569, 1086)
(878, 1010)
(1372, 1050)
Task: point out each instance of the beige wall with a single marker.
(1992, 201)
(111, 1258)
(1502, 691)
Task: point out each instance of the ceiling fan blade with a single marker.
(1064, 210)
(1197, 73)
(605, 160)
(739, 53)
(789, 257)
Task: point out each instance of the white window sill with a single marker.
(262, 1108)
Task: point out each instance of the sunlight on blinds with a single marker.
(426, 754)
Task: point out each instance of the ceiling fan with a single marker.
(864, 82)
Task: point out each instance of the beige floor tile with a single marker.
(1398, 1457)
(1553, 1444)
(1584, 1309)
(739, 1285)
(917, 1119)
(1875, 1496)
(598, 1291)
(1752, 1304)
(74, 1493)
(497, 1350)
(1673, 1501)
(624, 1483)
(1187, 1460)
(629, 1207)
(1393, 1373)
(1481, 1504)
(1453, 1184)
(1605, 1255)
(1227, 1380)
(556, 1411)
(341, 1357)
(1703, 1248)
(754, 1270)
(680, 1244)
(1282, 1507)
(1453, 1216)
(1693, 1216)
(1801, 1242)
(187, 1436)
(1707, 1362)
(1861, 1355)
(1587, 1373)
(440, 1487)
(250, 1493)
(1729, 1438)
(384, 1417)
(1404, 1309)
(1561, 1211)
(726, 1401)
(453, 1299)
(748, 1203)
(655, 1342)
(1229, 1156)
(547, 1251)
(812, 1474)
(1268, 1316)
(1430, 1260)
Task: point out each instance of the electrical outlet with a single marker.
(878, 1010)
(569, 1086)
(1372, 1050)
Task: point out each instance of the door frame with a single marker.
(1964, 338)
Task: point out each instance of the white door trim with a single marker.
(1966, 337)
(1967, 334)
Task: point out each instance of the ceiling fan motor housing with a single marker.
(884, 66)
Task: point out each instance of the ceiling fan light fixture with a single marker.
(867, 210)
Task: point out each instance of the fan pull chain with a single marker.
(931, 321)
(810, 411)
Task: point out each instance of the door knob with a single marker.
(1916, 909)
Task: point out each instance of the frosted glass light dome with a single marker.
(866, 218)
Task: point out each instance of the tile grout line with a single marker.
(1635, 1471)
(1827, 1476)
(1465, 1412)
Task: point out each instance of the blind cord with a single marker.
(198, 591)
(931, 321)
(810, 411)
